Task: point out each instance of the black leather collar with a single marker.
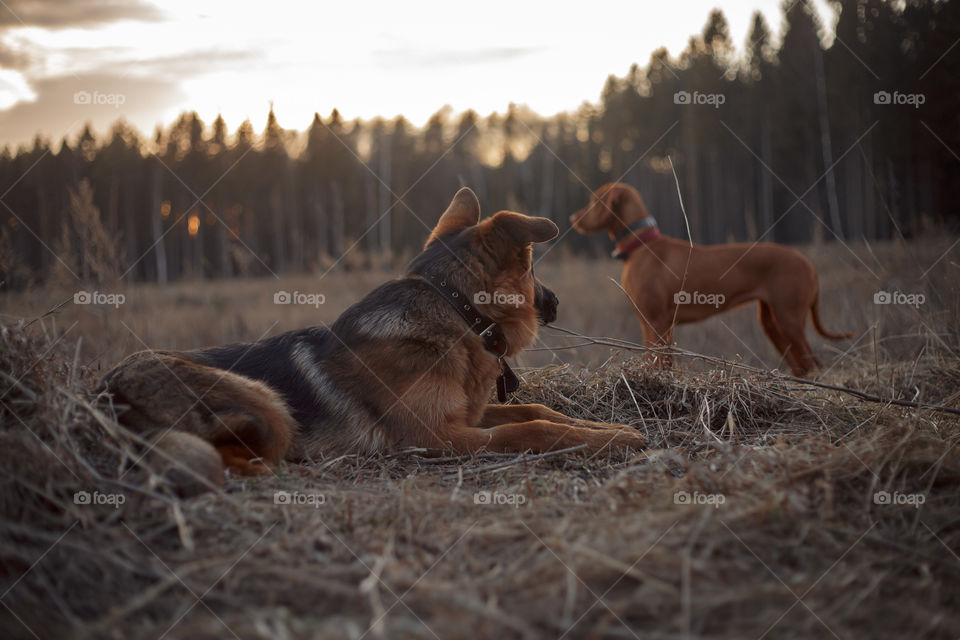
(494, 340)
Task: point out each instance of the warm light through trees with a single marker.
(800, 121)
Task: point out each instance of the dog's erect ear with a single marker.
(525, 229)
(463, 212)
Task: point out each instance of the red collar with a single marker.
(626, 246)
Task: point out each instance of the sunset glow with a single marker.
(149, 63)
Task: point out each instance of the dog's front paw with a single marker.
(619, 435)
(622, 436)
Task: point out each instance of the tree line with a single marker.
(808, 141)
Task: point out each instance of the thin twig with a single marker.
(683, 210)
(466, 457)
(660, 337)
(49, 312)
(520, 460)
(862, 395)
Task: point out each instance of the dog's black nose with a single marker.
(548, 312)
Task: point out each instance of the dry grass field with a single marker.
(766, 507)
(203, 313)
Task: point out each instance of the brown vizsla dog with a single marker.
(718, 278)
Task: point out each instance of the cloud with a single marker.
(190, 63)
(64, 104)
(12, 58)
(408, 56)
(20, 54)
(63, 14)
(140, 91)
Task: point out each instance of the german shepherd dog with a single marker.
(410, 365)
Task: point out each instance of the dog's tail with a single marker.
(815, 316)
(225, 419)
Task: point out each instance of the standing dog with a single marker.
(721, 277)
(411, 364)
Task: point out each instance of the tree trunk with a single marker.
(336, 220)
(766, 178)
(691, 190)
(385, 199)
(295, 232)
(370, 202)
(546, 187)
(156, 225)
(869, 195)
(276, 217)
(825, 143)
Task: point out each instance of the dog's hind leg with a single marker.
(658, 336)
(769, 323)
(792, 327)
(190, 464)
(244, 421)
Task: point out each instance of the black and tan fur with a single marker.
(399, 368)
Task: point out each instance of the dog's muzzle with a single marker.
(546, 303)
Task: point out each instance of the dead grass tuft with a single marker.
(759, 511)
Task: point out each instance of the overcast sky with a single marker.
(67, 62)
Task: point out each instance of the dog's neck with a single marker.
(493, 337)
(633, 236)
(491, 334)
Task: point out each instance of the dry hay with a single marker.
(599, 547)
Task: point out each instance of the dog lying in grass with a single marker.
(410, 365)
